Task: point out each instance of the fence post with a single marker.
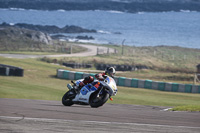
(7, 71)
(97, 50)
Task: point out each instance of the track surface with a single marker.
(21, 115)
(92, 51)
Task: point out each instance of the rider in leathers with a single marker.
(110, 71)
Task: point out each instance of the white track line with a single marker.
(97, 122)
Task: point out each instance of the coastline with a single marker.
(120, 6)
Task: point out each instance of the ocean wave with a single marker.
(12, 24)
(62, 40)
(103, 32)
(120, 1)
(84, 41)
(61, 10)
(109, 11)
(141, 13)
(17, 9)
(32, 10)
(95, 41)
(79, 40)
(185, 11)
(114, 11)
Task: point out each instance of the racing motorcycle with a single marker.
(94, 94)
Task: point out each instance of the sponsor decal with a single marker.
(96, 85)
(84, 99)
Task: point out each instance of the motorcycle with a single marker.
(94, 94)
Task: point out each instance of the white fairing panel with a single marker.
(111, 85)
(87, 90)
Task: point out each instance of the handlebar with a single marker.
(73, 83)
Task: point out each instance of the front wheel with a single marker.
(97, 100)
(67, 98)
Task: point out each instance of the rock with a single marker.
(14, 33)
(41, 37)
(58, 36)
(75, 29)
(117, 33)
(50, 29)
(85, 37)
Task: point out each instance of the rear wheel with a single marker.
(97, 100)
(67, 98)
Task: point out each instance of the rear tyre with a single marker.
(67, 98)
(98, 100)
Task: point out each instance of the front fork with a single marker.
(106, 92)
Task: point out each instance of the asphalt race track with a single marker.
(31, 116)
(91, 51)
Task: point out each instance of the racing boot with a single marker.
(81, 84)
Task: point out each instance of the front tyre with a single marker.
(67, 98)
(98, 100)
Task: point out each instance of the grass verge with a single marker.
(193, 108)
(39, 82)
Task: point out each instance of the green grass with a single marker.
(166, 63)
(165, 58)
(39, 82)
(28, 52)
(193, 108)
(21, 46)
(154, 97)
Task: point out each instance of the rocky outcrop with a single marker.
(19, 34)
(51, 29)
(40, 33)
(85, 37)
(39, 37)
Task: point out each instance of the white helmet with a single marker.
(110, 71)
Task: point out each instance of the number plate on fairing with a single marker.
(87, 89)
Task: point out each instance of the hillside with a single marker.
(28, 37)
(12, 38)
(164, 63)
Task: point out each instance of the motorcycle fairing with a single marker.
(85, 93)
(87, 88)
(110, 85)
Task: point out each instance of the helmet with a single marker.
(110, 71)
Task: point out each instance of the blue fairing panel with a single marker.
(87, 88)
(84, 91)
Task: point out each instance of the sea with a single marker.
(118, 28)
